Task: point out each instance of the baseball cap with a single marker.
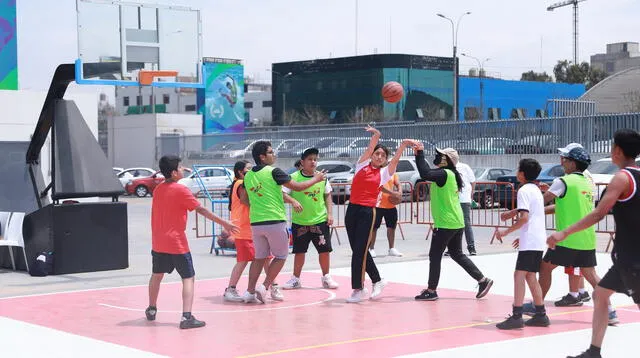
(309, 151)
(564, 151)
(451, 153)
(578, 154)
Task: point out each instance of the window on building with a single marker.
(609, 67)
(471, 113)
(494, 113)
(518, 113)
(266, 104)
(166, 99)
(319, 85)
(138, 100)
(190, 108)
(541, 113)
(248, 105)
(125, 101)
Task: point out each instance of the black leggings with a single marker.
(451, 239)
(359, 222)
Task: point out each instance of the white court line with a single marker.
(331, 297)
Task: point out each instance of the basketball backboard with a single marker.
(117, 40)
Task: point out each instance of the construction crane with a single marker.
(575, 23)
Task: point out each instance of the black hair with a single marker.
(386, 150)
(260, 148)
(168, 164)
(581, 166)
(239, 167)
(450, 166)
(298, 163)
(628, 140)
(530, 168)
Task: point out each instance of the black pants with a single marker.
(359, 222)
(451, 239)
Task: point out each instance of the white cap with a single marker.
(567, 149)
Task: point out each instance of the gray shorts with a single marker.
(272, 239)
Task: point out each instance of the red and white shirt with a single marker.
(365, 187)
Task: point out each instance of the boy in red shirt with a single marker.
(170, 249)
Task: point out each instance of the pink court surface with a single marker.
(311, 322)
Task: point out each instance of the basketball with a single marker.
(392, 92)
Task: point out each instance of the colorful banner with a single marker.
(223, 105)
(8, 46)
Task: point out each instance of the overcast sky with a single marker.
(517, 35)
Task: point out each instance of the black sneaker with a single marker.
(586, 354)
(191, 322)
(584, 297)
(150, 312)
(568, 301)
(484, 287)
(427, 295)
(538, 320)
(472, 251)
(446, 253)
(511, 323)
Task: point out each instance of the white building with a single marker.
(619, 57)
(257, 105)
(133, 100)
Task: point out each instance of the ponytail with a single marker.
(459, 181)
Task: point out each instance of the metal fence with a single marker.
(515, 136)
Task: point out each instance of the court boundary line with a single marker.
(396, 335)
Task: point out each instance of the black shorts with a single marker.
(562, 256)
(165, 263)
(623, 280)
(529, 261)
(390, 217)
(319, 234)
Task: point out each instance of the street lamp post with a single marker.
(481, 76)
(284, 95)
(454, 35)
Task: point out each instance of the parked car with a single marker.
(212, 178)
(486, 145)
(483, 193)
(117, 170)
(358, 146)
(535, 144)
(338, 172)
(296, 151)
(505, 198)
(141, 187)
(133, 173)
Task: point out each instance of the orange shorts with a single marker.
(245, 252)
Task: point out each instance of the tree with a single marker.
(536, 77)
(567, 72)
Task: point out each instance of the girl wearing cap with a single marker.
(448, 219)
(361, 212)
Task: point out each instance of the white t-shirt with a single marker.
(384, 172)
(558, 187)
(467, 177)
(533, 235)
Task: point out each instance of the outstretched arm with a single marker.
(372, 144)
(393, 164)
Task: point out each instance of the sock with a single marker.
(517, 312)
(611, 309)
(582, 291)
(594, 349)
(186, 315)
(232, 286)
(574, 294)
(540, 310)
(152, 308)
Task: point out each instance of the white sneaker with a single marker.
(395, 252)
(357, 296)
(372, 253)
(231, 295)
(276, 295)
(377, 289)
(261, 293)
(292, 284)
(328, 282)
(250, 298)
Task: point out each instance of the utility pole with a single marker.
(454, 35)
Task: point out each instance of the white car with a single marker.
(602, 172)
(129, 174)
(213, 179)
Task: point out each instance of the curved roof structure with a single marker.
(618, 93)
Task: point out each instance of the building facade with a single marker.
(139, 100)
(619, 57)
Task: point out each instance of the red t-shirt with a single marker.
(365, 187)
(171, 202)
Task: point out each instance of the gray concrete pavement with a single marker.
(414, 247)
